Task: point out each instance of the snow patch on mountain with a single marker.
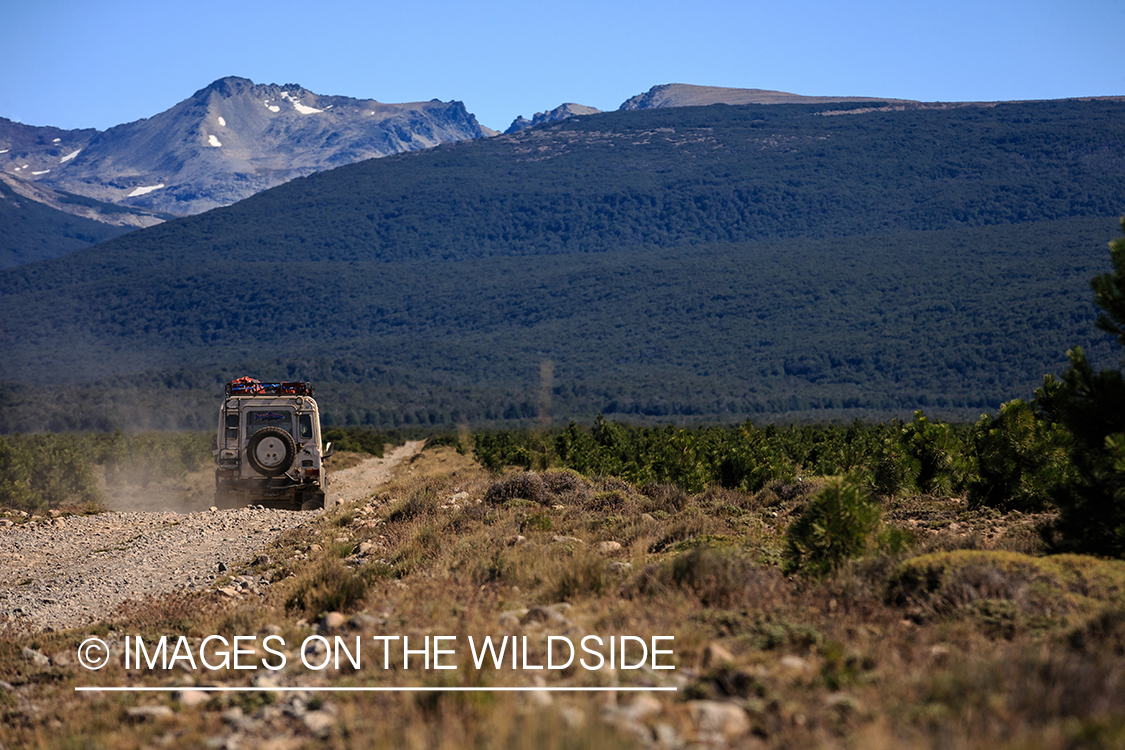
(66, 158)
(222, 122)
(214, 142)
(304, 110)
(145, 190)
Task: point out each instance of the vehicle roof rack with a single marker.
(254, 387)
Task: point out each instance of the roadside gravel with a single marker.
(66, 572)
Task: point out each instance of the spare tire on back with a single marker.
(271, 451)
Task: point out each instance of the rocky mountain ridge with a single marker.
(560, 112)
(226, 142)
(235, 138)
(106, 213)
(687, 95)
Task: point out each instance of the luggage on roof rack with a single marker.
(252, 387)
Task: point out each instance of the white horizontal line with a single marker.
(372, 689)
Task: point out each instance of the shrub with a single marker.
(1022, 460)
(945, 582)
(840, 522)
(422, 500)
(525, 486)
(890, 469)
(1104, 633)
(46, 471)
(717, 577)
(1091, 407)
(15, 478)
(751, 459)
(329, 586)
(666, 497)
(582, 576)
(614, 501)
(566, 487)
(933, 447)
(548, 488)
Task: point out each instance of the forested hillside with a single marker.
(700, 263)
(31, 231)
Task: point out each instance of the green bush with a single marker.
(1091, 501)
(934, 448)
(1021, 460)
(841, 522)
(890, 468)
(15, 478)
(1091, 407)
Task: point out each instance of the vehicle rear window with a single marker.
(256, 420)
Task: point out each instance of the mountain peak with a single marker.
(688, 95)
(561, 112)
(229, 140)
(228, 86)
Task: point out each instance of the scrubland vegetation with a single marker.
(963, 633)
(914, 585)
(892, 585)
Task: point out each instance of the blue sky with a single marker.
(78, 64)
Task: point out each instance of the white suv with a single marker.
(268, 447)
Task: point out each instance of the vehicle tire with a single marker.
(271, 451)
(313, 501)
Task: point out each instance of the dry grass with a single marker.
(970, 645)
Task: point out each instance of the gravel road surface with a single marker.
(58, 573)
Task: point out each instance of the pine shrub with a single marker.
(840, 522)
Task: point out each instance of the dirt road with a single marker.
(58, 573)
(359, 482)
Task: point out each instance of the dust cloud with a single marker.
(136, 490)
